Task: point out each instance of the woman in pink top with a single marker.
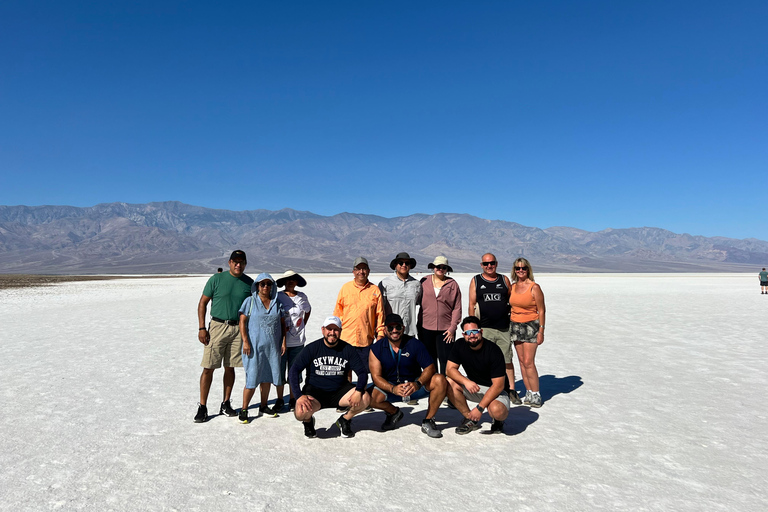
(440, 311)
(527, 330)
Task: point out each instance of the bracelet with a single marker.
(418, 384)
(393, 389)
(202, 329)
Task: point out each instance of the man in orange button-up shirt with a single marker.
(361, 310)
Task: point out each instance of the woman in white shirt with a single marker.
(297, 308)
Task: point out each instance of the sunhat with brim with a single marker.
(440, 260)
(402, 256)
(290, 274)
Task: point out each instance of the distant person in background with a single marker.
(440, 311)
(220, 270)
(360, 307)
(527, 332)
(226, 291)
(297, 309)
(763, 281)
(489, 292)
(262, 326)
(401, 293)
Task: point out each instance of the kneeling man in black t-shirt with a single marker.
(327, 361)
(486, 382)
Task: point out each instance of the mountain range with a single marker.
(173, 237)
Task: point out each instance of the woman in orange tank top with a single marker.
(527, 329)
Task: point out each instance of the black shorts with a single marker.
(327, 398)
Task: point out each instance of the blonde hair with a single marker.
(526, 264)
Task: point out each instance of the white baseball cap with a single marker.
(332, 320)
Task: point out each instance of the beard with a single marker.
(475, 343)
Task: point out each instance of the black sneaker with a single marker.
(243, 416)
(268, 411)
(392, 420)
(429, 428)
(226, 409)
(202, 414)
(279, 404)
(497, 427)
(342, 410)
(345, 426)
(514, 397)
(292, 404)
(467, 426)
(309, 428)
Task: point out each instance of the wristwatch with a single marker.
(481, 409)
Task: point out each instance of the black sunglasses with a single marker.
(489, 263)
(521, 268)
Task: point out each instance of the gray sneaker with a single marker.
(535, 400)
(514, 397)
(467, 426)
(527, 399)
(429, 428)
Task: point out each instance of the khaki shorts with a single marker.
(225, 346)
(503, 397)
(500, 338)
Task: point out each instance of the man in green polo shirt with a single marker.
(226, 292)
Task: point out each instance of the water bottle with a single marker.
(406, 398)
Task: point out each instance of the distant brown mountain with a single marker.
(173, 237)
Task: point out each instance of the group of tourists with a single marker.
(398, 338)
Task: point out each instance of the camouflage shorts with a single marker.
(525, 332)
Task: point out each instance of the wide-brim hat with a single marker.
(402, 256)
(290, 274)
(440, 260)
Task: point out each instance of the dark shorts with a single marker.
(763, 283)
(422, 393)
(327, 398)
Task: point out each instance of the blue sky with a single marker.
(591, 114)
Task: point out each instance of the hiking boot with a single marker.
(226, 409)
(268, 411)
(292, 404)
(429, 428)
(309, 428)
(527, 399)
(202, 414)
(535, 400)
(279, 405)
(497, 427)
(243, 416)
(392, 420)
(467, 426)
(514, 397)
(345, 426)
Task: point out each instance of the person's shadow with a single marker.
(520, 417)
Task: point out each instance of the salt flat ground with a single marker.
(654, 389)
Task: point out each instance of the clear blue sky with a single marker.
(591, 114)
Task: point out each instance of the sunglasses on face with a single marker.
(521, 268)
(266, 283)
(489, 263)
(470, 332)
(407, 263)
(441, 267)
(395, 327)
